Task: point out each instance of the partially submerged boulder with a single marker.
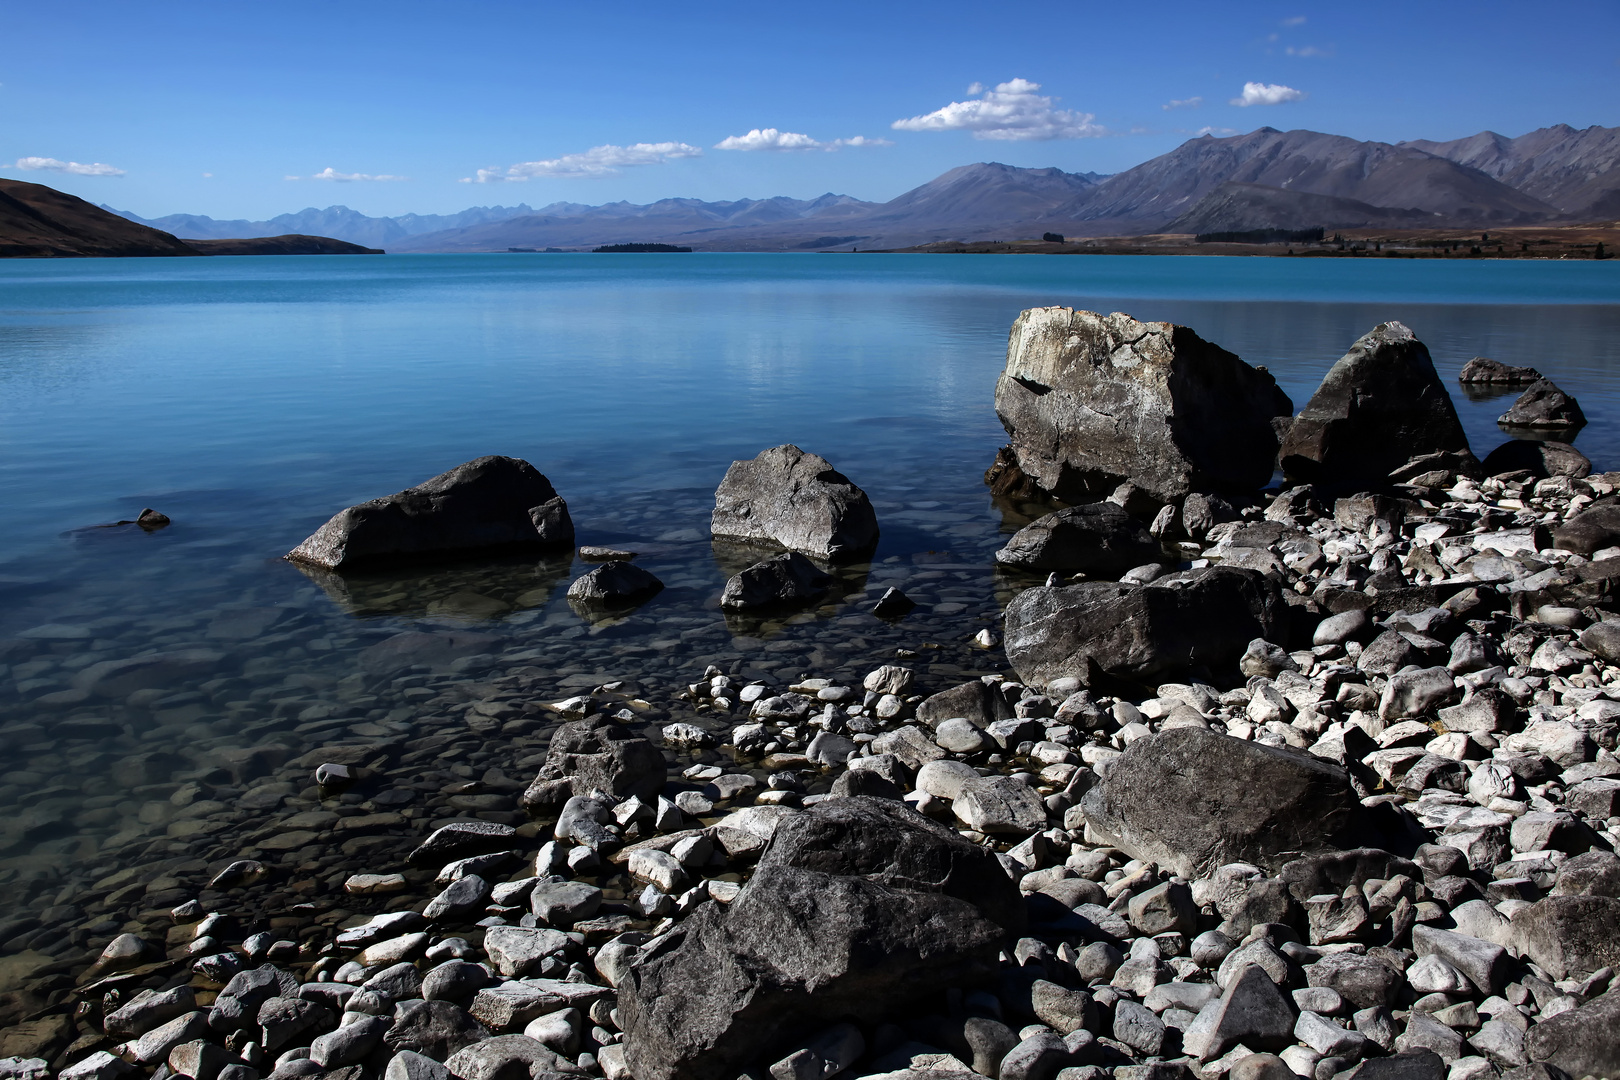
(1092, 400)
(1481, 371)
(1097, 538)
(490, 503)
(614, 584)
(1380, 406)
(858, 905)
(788, 498)
(1139, 632)
(781, 581)
(1544, 406)
(596, 754)
(1191, 800)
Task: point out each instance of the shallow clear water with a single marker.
(250, 398)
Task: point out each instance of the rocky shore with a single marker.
(1311, 781)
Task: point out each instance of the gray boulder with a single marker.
(488, 503)
(1482, 371)
(1582, 1041)
(1191, 800)
(1569, 937)
(614, 584)
(1594, 528)
(782, 580)
(1381, 405)
(1091, 400)
(595, 754)
(977, 702)
(434, 1029)
(1544, 407)
(1141, 632)
(857, 907)
(1097, 538)
(1540, 459)
(788, 498)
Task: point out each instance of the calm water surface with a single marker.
(250, 398)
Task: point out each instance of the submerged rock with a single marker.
(1380, 406)
(488, 503)
(793, 499)
(1092, 400)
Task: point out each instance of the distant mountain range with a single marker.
(1265, 179)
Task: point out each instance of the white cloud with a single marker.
(772, 139)
(1209, 129)
(329, 173)
(208, 176)
(1184, 103)
(1294, 20)
(1308, 50)
(1255, 93)
(593, 164)
(50, 164)
(1012, 111)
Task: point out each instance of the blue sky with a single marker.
(168, 107)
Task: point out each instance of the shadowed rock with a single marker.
(490, 503)
(788, 498)
(1544, 406)
(1098, 538)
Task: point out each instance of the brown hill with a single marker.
(290, 244)
(41, 222)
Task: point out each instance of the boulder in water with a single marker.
(491, 503)
(1093, 400)
(1481, 371)
(780, 581)
(1540, 459)
(1544, 407)
(788, 498)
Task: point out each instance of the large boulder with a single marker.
(1481, 371)
(1380, 406)
(1097, 538)
(1139, 632)
(595, 754)
(614, 584)
(1544, 406)
(490, 503)
(1569, 937)
(858, 906)
(1594, 528)
(1540, 459)
(1191, 800)
(1092, 400)
(1581, 1041)
(788, 498)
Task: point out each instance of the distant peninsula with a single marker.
(39, 222)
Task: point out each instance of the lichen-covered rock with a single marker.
(1092, 400)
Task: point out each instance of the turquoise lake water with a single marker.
(250, 398)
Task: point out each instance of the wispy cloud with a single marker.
(1013, 111)
(1294, 20)
(1183, 103)
(1309, 50)
(1255, 93)
(1209, 129)
(330, 173)
(772, 139)
(593, 164)
(50, 164)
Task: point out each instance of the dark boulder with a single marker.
(858, 907)
(1380, 406)
(1544, 406)
(491, 503)
(1336, 871)
(781, 581)
(1582, 1042)
(1092, 400)
(1191, 799)
(1594, 528)
(977, 702)
(1569, 937)
(596, 754)
(788, 498)
(1480, 371)
(1097, 538)
(614, 584)
(1540, 459)
(1139, 632)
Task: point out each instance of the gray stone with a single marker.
(788, 579)
(490, 502)
(409, 1065)
(515, 949)
(1378, 407)
(461, 839)
(1252, 1011)
(155, 1044)
(1364, 982)
(1137, 1027)
(595, 754)
(1092, 400)
(1545, 407)
(999, 805)
(1582, 1041)
(1569, 936)
(1038, 1057)
(977, 702)
(796, 500)
(1191, 800)
(1487, 965)
(462, 901)
(614, 584)
(434, 1029)
(349, 1044)
(284, 1021)
(147, 1009)
(563, 903)
(1099, 539)
(506, 1057)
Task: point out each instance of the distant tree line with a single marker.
(1052, 237)
(614, 249)
(1264, 236)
